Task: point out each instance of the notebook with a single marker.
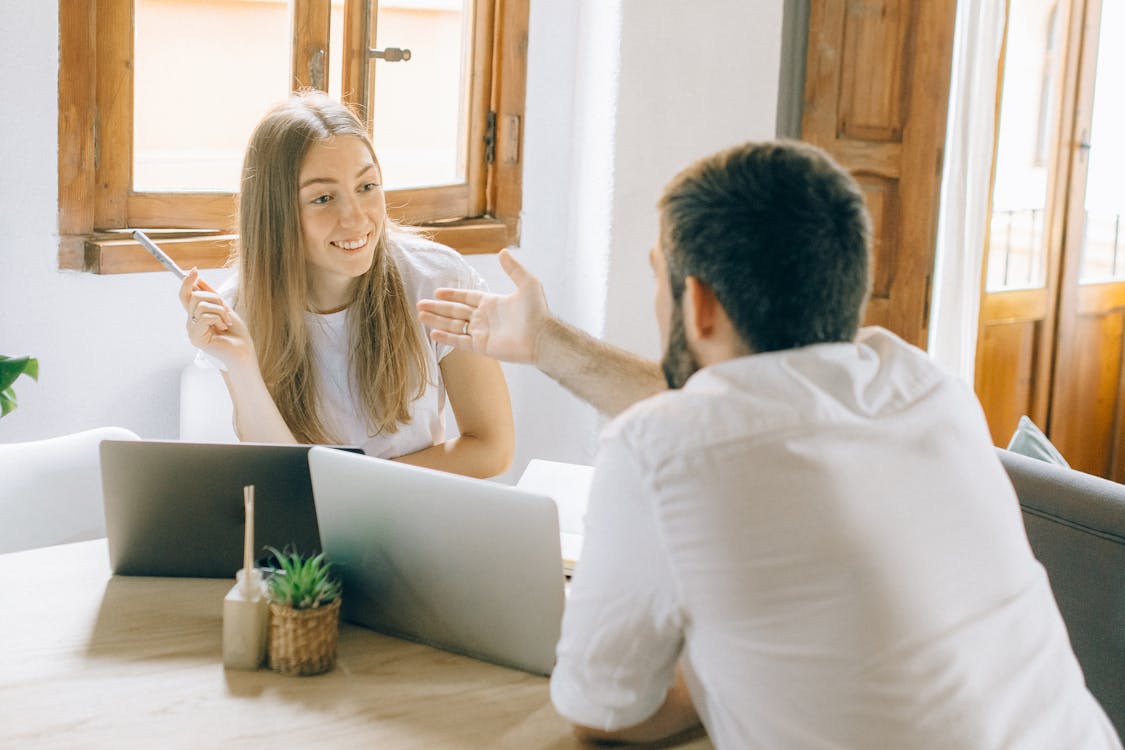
(467, 565)
(569, 486)
(176, 509)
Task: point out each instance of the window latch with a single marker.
(390, 54)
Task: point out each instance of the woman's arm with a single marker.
(219, 331)
(478, 394)
(256, 416)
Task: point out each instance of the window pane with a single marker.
(1028, 119)
(419, 118)
(1103, 248)
(206, 71)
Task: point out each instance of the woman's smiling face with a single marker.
(342, 212)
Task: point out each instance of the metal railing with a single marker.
(1103, 248)
(1017, 248)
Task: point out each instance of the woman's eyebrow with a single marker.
(367, 168)
(315, 180)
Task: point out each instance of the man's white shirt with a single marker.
(826, 541)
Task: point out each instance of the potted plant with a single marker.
(304, 599)
(10, 369)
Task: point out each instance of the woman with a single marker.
(318, 337)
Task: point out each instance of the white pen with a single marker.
(165, 260)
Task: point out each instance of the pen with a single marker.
(166, 261)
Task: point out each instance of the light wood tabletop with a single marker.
(90, 660)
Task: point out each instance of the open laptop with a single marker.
(176, 509)
(463, 564)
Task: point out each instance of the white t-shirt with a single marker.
(424, 266)
(827, 542)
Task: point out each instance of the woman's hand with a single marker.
(218, 330)
(213, 327)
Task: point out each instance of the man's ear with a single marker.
(701, 308)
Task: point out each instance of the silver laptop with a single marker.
(175, 509)
(463, 564)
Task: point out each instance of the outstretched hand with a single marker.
(504, 327)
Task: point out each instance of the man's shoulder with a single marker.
(673, 422)
(761, 396)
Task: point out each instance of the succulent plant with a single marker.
(302, 582)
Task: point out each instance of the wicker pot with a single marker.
(303, 641)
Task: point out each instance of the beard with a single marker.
(679, 363)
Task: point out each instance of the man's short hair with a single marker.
(780, 233)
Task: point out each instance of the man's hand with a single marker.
(504, 327)
(519, 327)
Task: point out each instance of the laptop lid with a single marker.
(175, 509)
(463, 564)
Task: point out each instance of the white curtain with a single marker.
(965, 183)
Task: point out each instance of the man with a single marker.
(808, 541)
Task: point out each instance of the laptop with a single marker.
(466, 565)
(176, 509)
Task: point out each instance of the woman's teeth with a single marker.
(351, 244)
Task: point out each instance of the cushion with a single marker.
(1028, 440)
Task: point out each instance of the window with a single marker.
(1021, 194)
(157, 99)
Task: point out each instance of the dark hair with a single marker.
(780, 233)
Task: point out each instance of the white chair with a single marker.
(206, 412)
(51, 490)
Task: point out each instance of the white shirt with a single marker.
(424, 266)
(827, 541)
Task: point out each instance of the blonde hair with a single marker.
(386, 360)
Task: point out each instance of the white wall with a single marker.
(109, 346)
(694, 78)
(621, 95)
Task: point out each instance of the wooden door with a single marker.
(1016, 335)
(1053, 306)
(1087, 414)
(876, 97)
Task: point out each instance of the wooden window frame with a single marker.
(98, 208)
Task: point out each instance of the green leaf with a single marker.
(7, 401)
(12, 367)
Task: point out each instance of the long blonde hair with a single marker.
(387, 363)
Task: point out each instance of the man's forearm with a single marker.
(609, 378)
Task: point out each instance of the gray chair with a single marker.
(1076, 525)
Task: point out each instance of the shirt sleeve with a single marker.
(622, 630)
(463, 276)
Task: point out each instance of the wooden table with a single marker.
(91, 660)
